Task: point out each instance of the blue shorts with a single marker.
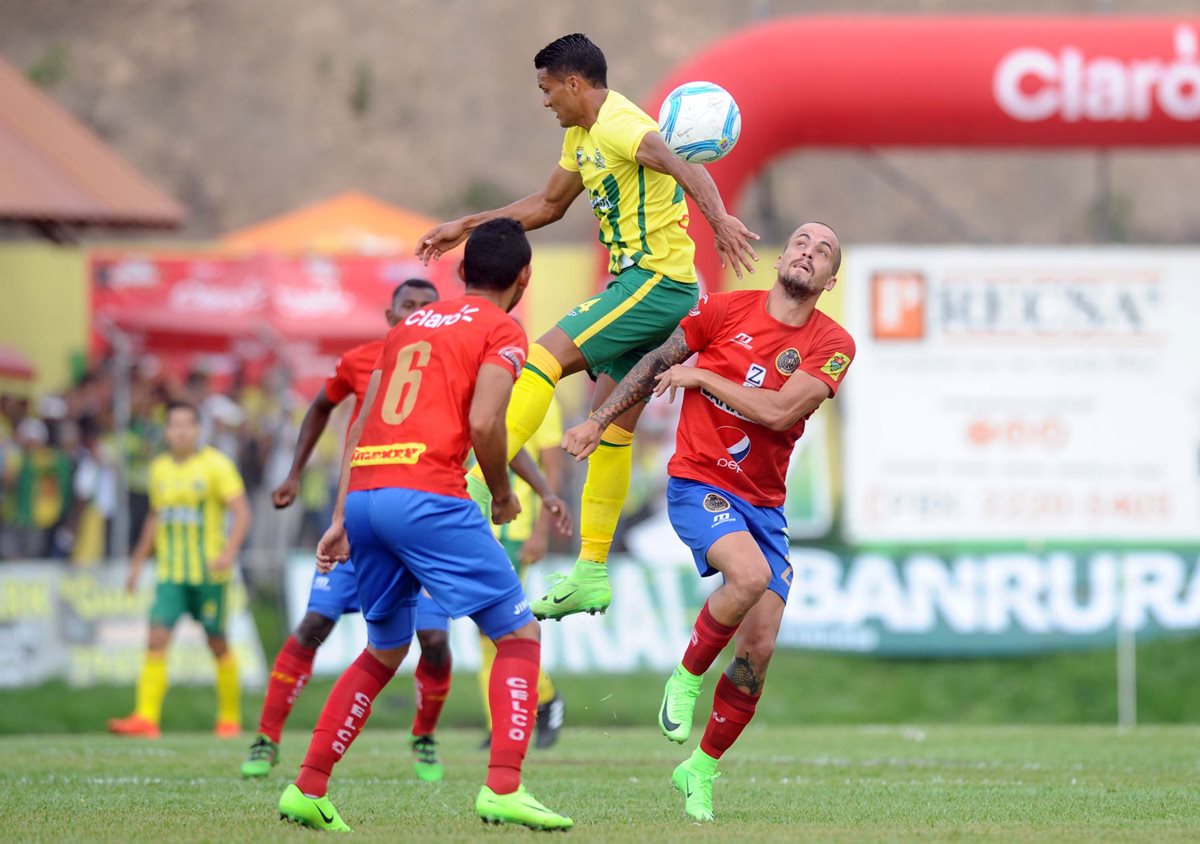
(430, 615)
(335, 594)
(403, 539)
(701, 514)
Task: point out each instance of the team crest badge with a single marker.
(714, 503)
(836, 365)
(788, 361)
(598, 158)
(515, 357)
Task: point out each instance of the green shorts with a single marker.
(633, 316)
(204, 602)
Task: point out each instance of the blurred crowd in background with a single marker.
(60, 454)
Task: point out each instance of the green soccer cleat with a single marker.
(678, 704)
(695, 784)
(314, 812)
(585, 589)
(264, 755)
(520, 807)
(425, 759)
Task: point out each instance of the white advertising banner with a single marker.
(1024, 395)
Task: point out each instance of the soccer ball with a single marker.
(700, 122)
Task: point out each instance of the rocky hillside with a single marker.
(246, 108)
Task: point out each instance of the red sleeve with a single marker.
(703, 322)
(341, 383)
(831, 358)
(507, 347)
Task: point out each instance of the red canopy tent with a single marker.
(303, 311)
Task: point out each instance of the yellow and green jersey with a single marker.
(190, 498)
(548, 435)
(643, 215)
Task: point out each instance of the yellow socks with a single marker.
(152, 687)
(604, 491)
(545, 687)
(229, 691)
(530, 400)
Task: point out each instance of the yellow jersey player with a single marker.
(192, 488)
(612, 151)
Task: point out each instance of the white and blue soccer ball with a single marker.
(700, 122)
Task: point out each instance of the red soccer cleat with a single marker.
(134, 725)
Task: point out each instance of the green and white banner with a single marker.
(915, 604)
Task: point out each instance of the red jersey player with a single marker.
(767, 359)
(440, 387)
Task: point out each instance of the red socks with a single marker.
(732, 711)
(291, 671)
(709, 638)
(432, 685)
(512, 698)
(345, 713)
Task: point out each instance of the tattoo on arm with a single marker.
(639, 383)
(741, 673)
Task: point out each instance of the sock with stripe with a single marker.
(531, 397)
(432, 684)
(292, 669)
(610, 467)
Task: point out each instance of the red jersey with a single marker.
(417, 434)
(738, 340)
(352, 374)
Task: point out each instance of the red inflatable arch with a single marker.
(946, 82)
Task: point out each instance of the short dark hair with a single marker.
(180, 404)
(495, 254)
(837, 257)
(419, 283)
(573, 54)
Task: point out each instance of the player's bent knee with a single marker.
(435, 646)
(159, 638)
(313, 630)
(219, 645)
(750, 582)
(532, 630)
(389, 657)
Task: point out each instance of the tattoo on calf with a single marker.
(639, 383)
(742, 674)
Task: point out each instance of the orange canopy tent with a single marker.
(351, 223)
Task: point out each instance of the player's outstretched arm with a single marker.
(532, 212)
(733, 239)
(315, 420)
(489, 438)
(778, 409)
(583, 439)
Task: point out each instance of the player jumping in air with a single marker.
(334, 594)
(636, 186)
(440, 387)
(767, 360)
(191, 490)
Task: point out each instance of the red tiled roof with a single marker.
(55, 170)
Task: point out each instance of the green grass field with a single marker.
(779, 784)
